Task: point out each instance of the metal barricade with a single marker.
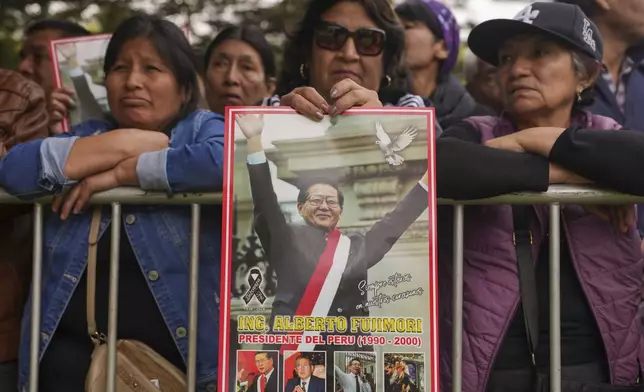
(555, 196)
(115, 198)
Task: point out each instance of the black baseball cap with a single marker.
(565, 23)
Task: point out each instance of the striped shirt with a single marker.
(406, 101)
(618, 87)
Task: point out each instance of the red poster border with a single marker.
(55, 62)
(227, 226)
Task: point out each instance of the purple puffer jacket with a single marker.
(609, 266)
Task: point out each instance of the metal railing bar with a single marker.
(112, 323)
(129, 196)
(194, 295)
(457, 300)
(562, 194)
(556, 194)
(36, 285)
(555, 298)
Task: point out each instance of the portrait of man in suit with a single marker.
(319, 269)
(304, 381)
(266, 380)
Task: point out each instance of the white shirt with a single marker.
(348, 381)
(307, 381)
(259, 380)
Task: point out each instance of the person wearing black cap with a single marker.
(619, 92)
(547, 59)
(432, 43)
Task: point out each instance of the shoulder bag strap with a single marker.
(91, 276)
(522, 239)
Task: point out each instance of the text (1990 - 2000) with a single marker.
(408, 341)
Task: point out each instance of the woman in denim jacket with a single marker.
(157, 141)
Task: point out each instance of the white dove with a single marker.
(390, 148)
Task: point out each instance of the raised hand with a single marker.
(251, 125)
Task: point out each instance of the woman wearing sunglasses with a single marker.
(346, 53)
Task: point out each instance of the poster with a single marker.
(329, 260)
(78, 65)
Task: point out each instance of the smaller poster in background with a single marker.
(78, 66)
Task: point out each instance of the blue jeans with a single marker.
(9, 376)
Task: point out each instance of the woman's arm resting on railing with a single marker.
(194, 167)
(96, 154)
(608, 159)
(613, 160)
(465, 169)
(48, 165)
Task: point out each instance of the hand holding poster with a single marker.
(329, 259)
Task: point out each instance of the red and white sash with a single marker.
(323, 286)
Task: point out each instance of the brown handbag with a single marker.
(138, 367)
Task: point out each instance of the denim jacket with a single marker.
(159, 235)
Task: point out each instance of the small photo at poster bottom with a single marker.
(404, 372)
(355, 371)
(305, 371)
(257, 371)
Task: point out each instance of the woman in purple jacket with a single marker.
(548, 58)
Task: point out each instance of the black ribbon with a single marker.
(255, 290)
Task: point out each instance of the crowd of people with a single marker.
(550, 97)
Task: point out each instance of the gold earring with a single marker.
(579, 98)
(388, 78)
(302, 72)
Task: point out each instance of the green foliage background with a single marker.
(105, 15)
(98, 16)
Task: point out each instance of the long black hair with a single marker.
(298, 48)
(174, 49)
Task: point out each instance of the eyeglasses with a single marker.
(317, 201)
(368, 41)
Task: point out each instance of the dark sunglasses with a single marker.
(368, 41)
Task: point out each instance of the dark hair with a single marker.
(173, 47)
(269, 355)
(354, 360)
(297, 50)
(305, 184)
(416, 11)
(302, 356)
(251, 35)
(69, 29)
